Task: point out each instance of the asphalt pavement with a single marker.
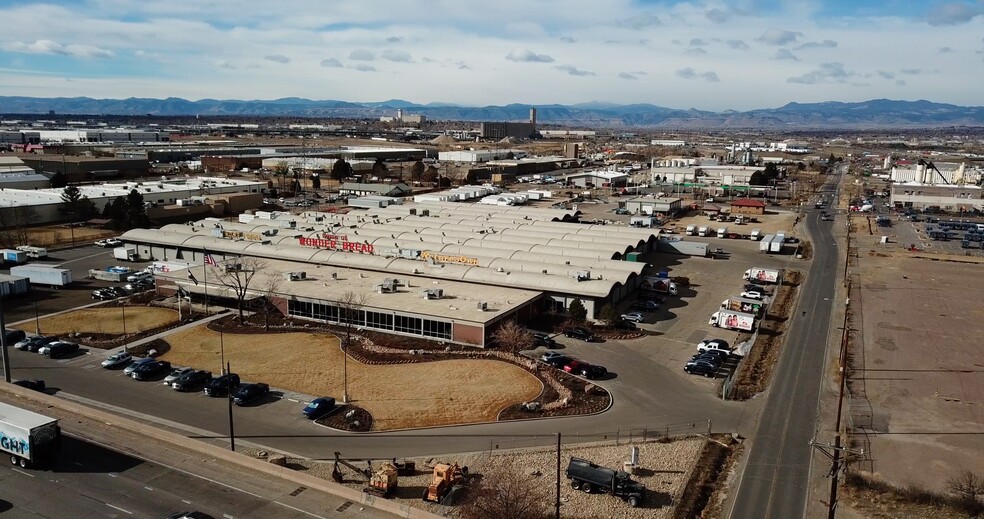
(775, 481)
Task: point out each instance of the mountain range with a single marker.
(873, 114)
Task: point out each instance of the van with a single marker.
(60, 349)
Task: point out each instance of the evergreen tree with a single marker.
(135, 212)
(59, 180)
(341, 169)
(577, 311)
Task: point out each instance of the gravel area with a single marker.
(664, 468)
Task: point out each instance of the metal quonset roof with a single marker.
(558, 270)
(550, 249)
(156, 237)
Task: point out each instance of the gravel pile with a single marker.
(664, 468)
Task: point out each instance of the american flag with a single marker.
(209, 260)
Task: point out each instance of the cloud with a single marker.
(574, 71)
(825, 44)
(277, 58)
(225, 64)
(697, 42)
(331, 62)
(394, 39)
(696, 51)
(885, 74)
(737, 44)
(396, 55)
(528, 56)
(778, 37)
(627, 75)
(148, 56)
(689, 73)
(946, 50)
(640, 22)
(362, 67)
(567, 39)
(718, 15)
(53, 47)
(911, 71)
(827, 73)
(900, 82)
(954, 13)
(785, 55)
(361, 55)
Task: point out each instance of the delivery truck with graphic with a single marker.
(730, 320)
(28, 437)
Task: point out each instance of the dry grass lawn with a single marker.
(105, 320)
(59, 235)
(398, 396)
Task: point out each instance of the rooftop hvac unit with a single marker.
(483, 306)
(432, 293)
(583, 275)
(500, 269)
(295, 276)
(425, 212)
(334, 275)
(413, 211)
(232, 267)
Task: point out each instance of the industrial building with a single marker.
(501, 130)
(747, 206)
(478, 156)
(83, 135)
(86, 169)
(654, 206)
(951, 199)
(444, 271)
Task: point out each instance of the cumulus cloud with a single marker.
(362, 67)
(331, 62)
(946, 50)
(148, 56)
(696, 51)
(954, 13)
(53, 47)
(394, 39)
(785, 55)
(528, 56)
(737, 44)
(697, 42)
(574, 71)
(225, 64)
(827, 73)
(778, 37)
(277, 58)
(900, 82)
(689, 73)
(825, 44)
(567, 39)
(718, 15)
(627, 75)
(885, 74)
(396, 55)
(640, 22)
(361, 55)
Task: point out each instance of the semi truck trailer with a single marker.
(28, 437)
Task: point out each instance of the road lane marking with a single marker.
(285, 505)
(25, 473)
(124, 510)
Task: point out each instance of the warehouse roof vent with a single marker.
(482, 306)
(432, 293)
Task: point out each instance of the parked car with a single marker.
(646, 306)
(319, 407)
(709, 358)
(135, 364)
(579, 333)
(716, 344)
(646, 296)
(192, 380)
(13, 336)
(140, 276)
(752, 294)
(177, 373)
(547, 356)
(593, 371)
(701, 368)
(749, 287)
(542, 339)
(58, 349)
(574, 366)
(103, 294)
(150, 370)
(33, 344)
(635, 317)
(190, 515)
(117, 360)
(248, 393)
(101, 243)
(219, 386)
(36, 384)
(113, 242)
(559, 361)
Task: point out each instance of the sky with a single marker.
(709, 55)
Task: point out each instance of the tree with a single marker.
(280, 171)
(757, 179)
(236, 275)
(341, 170)
(267, 307)
(350, 314)
(378, 168)
(59, 180)
(578, 313)
(609, 314)
(75, 206)
(116, 211)
(510, 336)
(509, 494)
(430, 175)
(417, 170)
(967, 486)
(315, 181)
(14, 222)
(136, 210)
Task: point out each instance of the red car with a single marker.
(574, 367)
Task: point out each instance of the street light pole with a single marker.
(37, 321)
(123, 308)
(232, 430)
(345, 396)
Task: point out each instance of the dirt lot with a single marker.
(665, 469)
(398, 396)
(104, 321)
(60, 235)
(916, 370)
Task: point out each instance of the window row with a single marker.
(375, 320)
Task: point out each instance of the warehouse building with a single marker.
(654, 206)
(951, 199)
(518, 261)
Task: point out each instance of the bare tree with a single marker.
(267, 307)
(350, 312)
(510, 336)
(967, 485)
(510, 494)
(13, 224)
(236, 275)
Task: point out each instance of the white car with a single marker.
(713, 344)
(753, 294)
(140, 276)
(113, 242)
(101, 243)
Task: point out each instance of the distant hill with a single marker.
(874, 114)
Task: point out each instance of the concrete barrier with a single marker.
(214, 451)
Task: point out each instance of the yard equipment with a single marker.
(384, 481)
(446, 477)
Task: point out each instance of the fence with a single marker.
(619, 436)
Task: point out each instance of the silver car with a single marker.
(177, 373)
(133, 365)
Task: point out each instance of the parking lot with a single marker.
(904, 233)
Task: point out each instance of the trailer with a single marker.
(766, 243)
(128, 253)
(39, 274)
(675, 245)
(702, 230)
(762, 275)
(13, 285)
(777, 243)
(691, 230)
(743, 305)
(28, 437)
(731, 320)
(13, 256)
(658, 285)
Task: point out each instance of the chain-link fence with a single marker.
(619, 436)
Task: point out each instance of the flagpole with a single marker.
(205, 277)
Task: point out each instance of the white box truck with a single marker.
(658, 285)
(766, 242)
(722, 231)
(126, 253)
(741, 304)
(762, 275)
(756, 235)
(731, 320)
(34, 252)
(702, 230)
(691, 230)
(51, 275)
(28, 437)
(777, 243)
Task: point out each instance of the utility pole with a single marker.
(557, 495)
(232, 430)
(4, 358)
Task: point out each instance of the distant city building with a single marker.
(478, 156)
(567, 134)
(943, 173)
(949, 198)
(46, 136)
(501, 130)
(389, 190)
(668, 143)
(404, 118)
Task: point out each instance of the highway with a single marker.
(776, 476)
(90, 481)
